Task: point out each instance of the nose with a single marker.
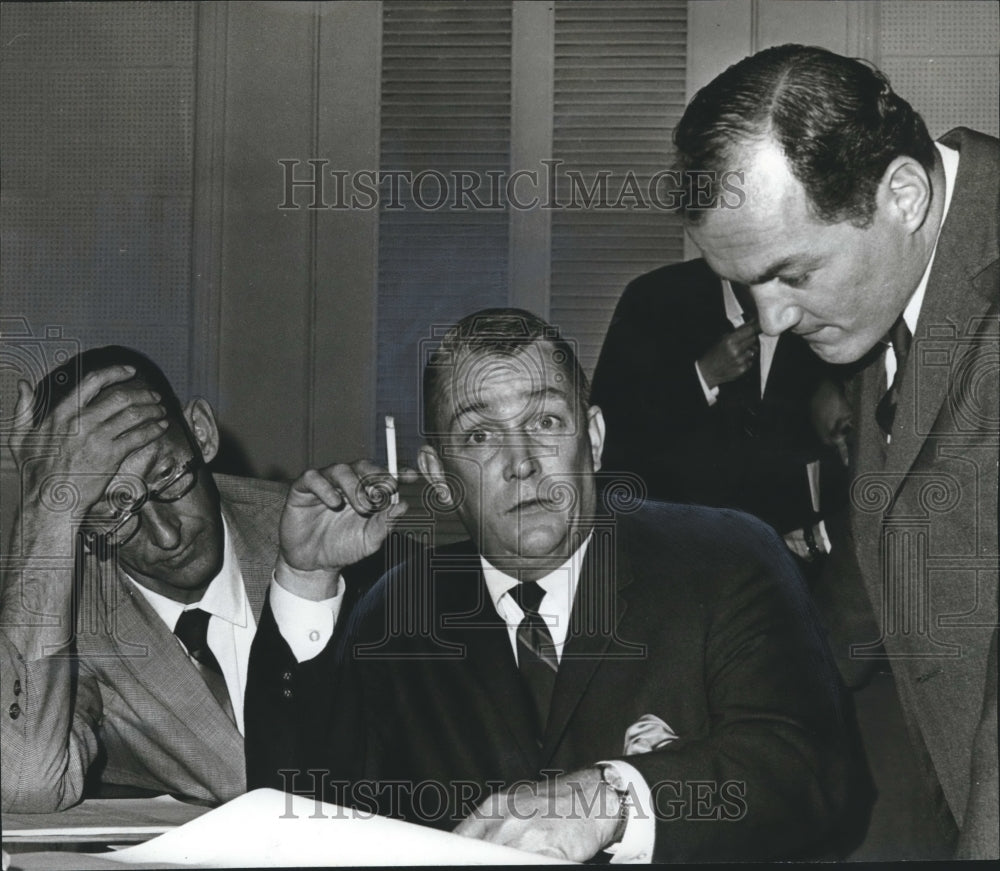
(519, 458)
(776, 313)
(163, 527)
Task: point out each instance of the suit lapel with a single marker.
(472, 620)
(949, 310)
(165, 671)
(967, 247)
(598, 608)
(786, 369)
(867, 461)
(931, 367)
(256, 573)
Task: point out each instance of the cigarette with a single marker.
(390, 451)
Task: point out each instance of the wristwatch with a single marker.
(611, 776)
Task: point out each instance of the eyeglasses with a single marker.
(121, 526)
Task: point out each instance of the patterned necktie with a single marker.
(536, 653)
(900, 337)
(192, 630)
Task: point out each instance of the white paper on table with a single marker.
(269, 829)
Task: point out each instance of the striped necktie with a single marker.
(536, 653)
(900, 337)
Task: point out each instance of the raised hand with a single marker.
(65, 466)
(731, 356)
(79, 445)
(333, 518)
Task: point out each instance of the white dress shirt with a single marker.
(307, 627)
(231, 627)
(555, 608)
(911, 314)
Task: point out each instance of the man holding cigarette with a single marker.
(580, 676)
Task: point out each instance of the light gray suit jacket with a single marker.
(924, 508)
(129, 707)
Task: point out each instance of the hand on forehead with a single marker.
(132, 395)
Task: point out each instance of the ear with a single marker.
(595, 430)
(432, 469)
(201, 421)
(905, 193)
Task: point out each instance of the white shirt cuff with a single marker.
(637, 843)
(827, 546)
(711, 393)
(307, 626)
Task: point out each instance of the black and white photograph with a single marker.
(498, 432)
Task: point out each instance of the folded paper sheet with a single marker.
(268, 829)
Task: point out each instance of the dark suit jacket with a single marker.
(128, 707)
(745, 451)
(694, 615)
(924, 515)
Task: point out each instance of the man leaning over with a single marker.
(879, 247)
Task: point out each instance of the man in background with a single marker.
(647, 680)
(708, 412)
(879, 246)
(133, 584)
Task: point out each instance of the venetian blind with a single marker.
(445, 109)
(618, 92)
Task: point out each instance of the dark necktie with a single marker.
(192, 630)
(536, 654)
(900, 337)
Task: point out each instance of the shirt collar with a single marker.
(949, 158)
(737, 317)
(559, 585)
(224, 597)
(734, 311)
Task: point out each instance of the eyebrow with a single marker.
(796, 261)
(771, 272)
(150, 473)
(535, 395)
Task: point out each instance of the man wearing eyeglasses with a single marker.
(131, 595)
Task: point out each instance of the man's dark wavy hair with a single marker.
(837, 120)
(64, 379)
(495, 331)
